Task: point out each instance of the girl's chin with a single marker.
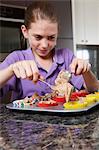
(43, 54)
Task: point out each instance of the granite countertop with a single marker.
(31, 131)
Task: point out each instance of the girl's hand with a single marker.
(26, 69)
(79, 66)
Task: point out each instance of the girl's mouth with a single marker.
(43, 51)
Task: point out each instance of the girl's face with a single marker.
(42, 37)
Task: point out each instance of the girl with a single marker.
(21, 69)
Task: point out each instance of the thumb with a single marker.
(41, 77)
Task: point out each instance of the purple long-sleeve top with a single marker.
(23, 87)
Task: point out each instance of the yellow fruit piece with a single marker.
(97, 100)
(93, 97)
(87, 101)
(90, 100)
(75, 105)
(90, 96)
(97, 96)
(96, 92)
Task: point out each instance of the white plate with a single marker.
(54, 109)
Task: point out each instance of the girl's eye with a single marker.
(51, 38)
(38, 37)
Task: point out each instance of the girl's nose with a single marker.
(44, 43)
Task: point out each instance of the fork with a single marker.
(51, 86)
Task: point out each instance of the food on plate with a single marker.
(21, 103)
(59, 98)
(56, 96)
(76, 95)
(90, 101)
(62, 84)
(97, 96)
(35, 96)
(79, 93)
(48, 103)
(92, 97)
(35, 100)
(62, 77)
(82, 102)
(27, 101)
(75, 105)
(62, 93)
(74, 98)
(47, 100)
(54, 99)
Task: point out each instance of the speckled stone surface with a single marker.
(29, 131)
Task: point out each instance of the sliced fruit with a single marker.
(80, 94)
(59, 99)
(75, 105)
(91, 98)
(74, 98)
(47, 103)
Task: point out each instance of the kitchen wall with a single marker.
(63, 10)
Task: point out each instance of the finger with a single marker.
(73, 65)
(22, 71)
(35, 77)
(79, 69)
(41, 77)
(35, 71)
(16, 70)
(27, 68)
(86, 67)
(30, 78)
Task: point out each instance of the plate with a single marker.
(54, 109)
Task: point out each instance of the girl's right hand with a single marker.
(26, 69)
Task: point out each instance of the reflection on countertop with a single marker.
(29, 131)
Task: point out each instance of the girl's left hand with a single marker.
(79, 66)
